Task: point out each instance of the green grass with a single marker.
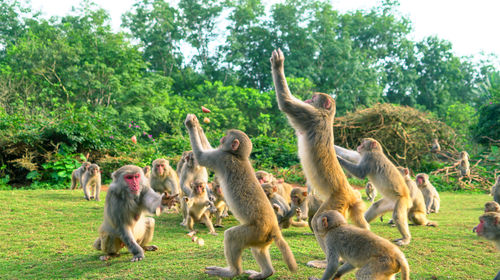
(48, 234)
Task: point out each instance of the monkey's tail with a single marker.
(286, 252)
(405, 268)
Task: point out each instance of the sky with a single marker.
(471, 26)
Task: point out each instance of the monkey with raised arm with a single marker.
(92, 179)
(431, 196)
(77, 174)
(389, 182)
(181, 162)
(313, 123)
(495, 190)
(463, 165)
(246, 200)
(376, 257)
(129, 198)
(371, 191)
(164, 178)
(219, 202)
(417, 213)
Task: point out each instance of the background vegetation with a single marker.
(72, 88)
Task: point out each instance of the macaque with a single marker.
(371, 191)
(164, 178)
(376, 257)
(389, 182)
(299, 203)
(489, 228)
(147, 171)
(219, 202)
(280, 205)
(77, 174)
(435, 148)
(495, 190)
(431, 196)
(246, 200)
(312, 121)
(463, 165)
(199, 207)
(491, 206)
(417, 212)
(129, 198)
(282, 188)
(181, 162)
(92, 179)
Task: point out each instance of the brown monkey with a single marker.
(376, 257)
(495, 190)
(281, 208)
(219, 202)
(388, 181)
(463, 165)
(92, 179)
(491, 206)
(435, 148)
(417, 212)
(371, 191)
(164, 178)
(77, 174)
(282, 188)
(489, 228)
(431, 196)
(199, 207)
(129, 197)
(246, 200)
(299, 199)
(313, 124)
(147, 171)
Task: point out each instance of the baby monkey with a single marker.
(376, 257)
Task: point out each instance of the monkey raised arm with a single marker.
(203, 156)
(287, 103)
(359, 170)
(150, 200)
(203, 138)
(350, 155)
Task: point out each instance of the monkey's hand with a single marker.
(169, 200)
(277, 59)
(191, 121)
(298, 212)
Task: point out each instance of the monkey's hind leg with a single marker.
(147, 237)
(356, 214)
(400, 217)
(263, 259)
(110, 245)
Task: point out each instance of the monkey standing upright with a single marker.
(313, 123)
(246, 200)
(463, 164)
(388, 181)
(92, 179)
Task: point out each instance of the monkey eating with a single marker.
(246, 200)
(77, 175)
(376, 257)
(129, 198)
(199, 207)
(92, 179)
(388, 181)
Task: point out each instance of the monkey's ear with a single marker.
(275, 189)
(304, 193)
(324, 222)
(373, 144)
(406, 171)
(327, 104)
(235, 144)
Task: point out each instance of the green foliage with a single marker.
(461, 117)
(488, 127)
(270, 152)
(58, 170)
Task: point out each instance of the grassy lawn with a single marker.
(49, 235)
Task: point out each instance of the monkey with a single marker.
(491, 206)
(129, 197)
(299, 200)
(495, 190)
(376, 257)
(432, 200)
(283, 188)
(92, 179)
(147, 171)
(77, 174)
(219, 202)
(281, 208)
(312, 121)
(246, 200)
(417, 213)
(163, 177)
(199, 207)
(181, 162)
(389, 182)
(435, 148)
(489, 228)
(463, 165)
(371, 191)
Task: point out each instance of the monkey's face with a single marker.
(217, 189)
(160, 167)
(93, 169)
(420, 180)
(322, 102)
(147, 169)
(268, 190)
(198, 188)
(133, 181)
(298, 196)
(263, 177)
